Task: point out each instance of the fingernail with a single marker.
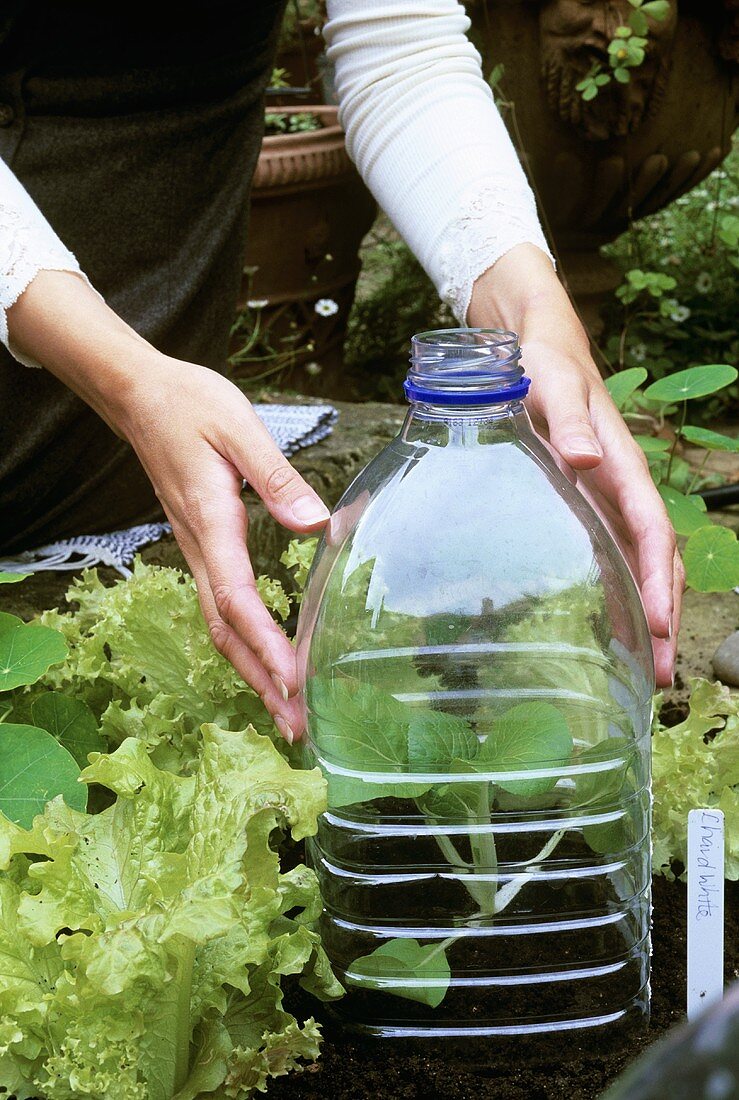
(280, 685)
(584, 446)
(669, 627)
(309, 510)
(284, 729)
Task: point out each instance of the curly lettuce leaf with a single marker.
(137, 942)
(141, 658)
(696, 764)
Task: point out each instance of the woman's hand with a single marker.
(570, 406)
(197, 437)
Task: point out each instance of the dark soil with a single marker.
(353, 1068)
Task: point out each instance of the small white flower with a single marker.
(257, 303)
(639, 352)
(679, 314)
(326, 307)
(313, 369)
(703, 283)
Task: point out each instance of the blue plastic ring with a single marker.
(479, 397)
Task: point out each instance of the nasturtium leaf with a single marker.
(409, 966)
(26, 651)
(622, 385)
(652, 444)
(684, 385)
(12, 578)
(711, 558)
(712, 441)
(687, 513)
(34, 768)
(71, 722)
(528, 736)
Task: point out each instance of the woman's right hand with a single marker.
(198, 438)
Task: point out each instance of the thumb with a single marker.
(287, 496)
(563, 402)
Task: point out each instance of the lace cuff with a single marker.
(26, 247)
(493, 218)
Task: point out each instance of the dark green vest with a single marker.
(135, 127)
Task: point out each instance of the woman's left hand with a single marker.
(570, 405)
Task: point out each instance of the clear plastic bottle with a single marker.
(478, 680)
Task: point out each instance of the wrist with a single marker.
(522, 292)
(61, 323)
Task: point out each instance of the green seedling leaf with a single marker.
(685, 385)
(71, 722)
(652, 444)
(455, 803)
(687, 513)
(658, 9)
(361, 728)
(435, 739)
(622, 385)
(711, 558)
(13, 578)
(34, 768)
(26, 651)
(530, 735)
(712, 441)
(603, 787)
(404, 960)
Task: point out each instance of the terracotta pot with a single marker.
(633, 149)
(309, 213)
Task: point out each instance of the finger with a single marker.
(665, 650)
(288, 497)
(218, 525)
(565, 407)
(288, 715)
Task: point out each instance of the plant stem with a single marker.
(676, 440)
(183, 1028)
(697, 474)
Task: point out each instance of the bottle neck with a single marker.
(439, 424)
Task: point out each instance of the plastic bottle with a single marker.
(478, 680)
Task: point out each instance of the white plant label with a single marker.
(705, 909)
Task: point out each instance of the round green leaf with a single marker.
(622, 385)
(711, 558)
(687, 513)
(652, 444)
(26, 651)
(405, 969)
(684, 385)
(13, 578)
(712, 441)
(71, 722)
(34, 768)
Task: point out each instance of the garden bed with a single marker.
(352, 1068)
(355, 1067)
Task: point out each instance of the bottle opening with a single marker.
(466, 366)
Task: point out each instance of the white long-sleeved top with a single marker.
(422, 128)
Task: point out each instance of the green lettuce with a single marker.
(695, 765)
(141, 658)
(142, 948)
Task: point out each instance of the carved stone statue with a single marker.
(574, 35)
(636, 146)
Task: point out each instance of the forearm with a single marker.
(61, 323)
(427, 138)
